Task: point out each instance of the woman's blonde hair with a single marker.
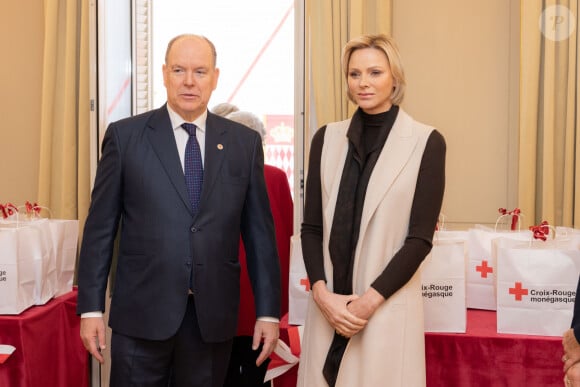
(388, 46)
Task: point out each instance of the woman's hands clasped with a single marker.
(347, 314)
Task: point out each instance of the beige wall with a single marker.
(21, 44)
(461, 63)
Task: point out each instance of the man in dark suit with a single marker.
(175, 305)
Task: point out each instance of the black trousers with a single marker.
(183, 360)
(242, 370)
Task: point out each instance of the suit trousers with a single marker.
(183, 360)
(243, 371)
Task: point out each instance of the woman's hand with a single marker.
(366, 305)
(334, 308)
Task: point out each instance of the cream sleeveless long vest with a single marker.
(390, 351)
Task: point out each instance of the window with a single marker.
(254, 40)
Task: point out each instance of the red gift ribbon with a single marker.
(542, 231)
(8, 210)
(515, 213)
(32, 208)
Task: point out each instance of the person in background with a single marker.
(224, 108)
(181, 184)
(373, 195)
(243, 371)
(571, 346)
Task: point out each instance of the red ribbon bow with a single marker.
(542, 231)
(7, 210)
(32, 208)
(515, 213)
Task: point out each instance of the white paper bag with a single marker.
(481, 265)
(17, 273)
(64, 235)
(299, 286)
(536, 287)
(443, 283)
(39, 246)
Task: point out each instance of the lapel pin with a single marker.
(220, 146)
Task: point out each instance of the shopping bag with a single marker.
(536, 286)
(64, 236)
(38, 245)
(299, 286)
(443, 283)
(481, 264)
(17, 273)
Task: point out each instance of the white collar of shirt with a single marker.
(181, 135)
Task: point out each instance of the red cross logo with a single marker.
(518, 291)
(306, 283)
(484, 269)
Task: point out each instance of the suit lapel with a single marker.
(162, 141)
(215, 150)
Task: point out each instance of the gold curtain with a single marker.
(548, 187)
(329, 24)
(64, 176)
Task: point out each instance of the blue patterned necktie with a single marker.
(193, 167)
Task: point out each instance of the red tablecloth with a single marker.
(482, 357)
(49, 351)
(479, 357)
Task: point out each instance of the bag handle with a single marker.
(516, 218)
(32, 210)
(440, 226)
(12, 214)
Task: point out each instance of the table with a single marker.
(479, 357)
(49, 351)
(483, 357)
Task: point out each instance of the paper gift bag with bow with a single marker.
(34, 245)
(481, 265)
(17, 274)
(64, 234)
(39, 246)
(536, 285)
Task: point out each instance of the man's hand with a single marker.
(572, 378)
(93, 336)
(268, 333)
(571, 349)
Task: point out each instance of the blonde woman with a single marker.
(374, 192)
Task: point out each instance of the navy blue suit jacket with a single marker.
(140, 187)
(576, 314)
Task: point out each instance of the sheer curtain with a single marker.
(549, 187)
(64, 176)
